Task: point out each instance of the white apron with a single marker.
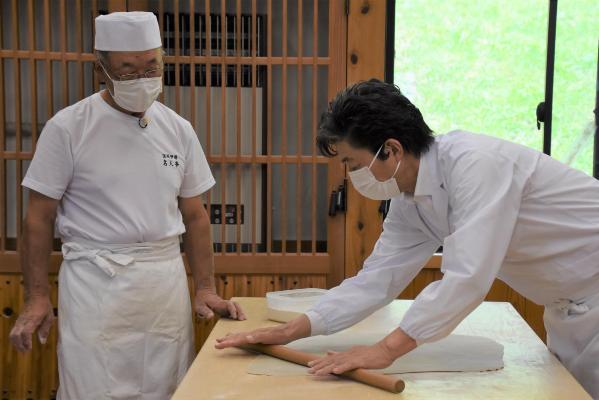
(573, 336)
(124, 318)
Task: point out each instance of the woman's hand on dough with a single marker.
(282, 334)
(377, 356)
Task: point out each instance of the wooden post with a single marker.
(365, 60)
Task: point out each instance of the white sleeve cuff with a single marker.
(42, 188)
(198, 190)
(318, 325)
(409, 332)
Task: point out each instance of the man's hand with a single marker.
(38, 314)
(377, 356)
(282, 334)
(369, 357)
(207, 302)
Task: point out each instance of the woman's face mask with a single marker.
(367, 185)
(135, 95)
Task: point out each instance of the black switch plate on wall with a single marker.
(230, 217)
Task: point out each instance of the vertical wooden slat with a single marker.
(260, 285)
(238, 123)
(269, 222)
(48, 48)
(161, 25)
(19, 198)
(208, 50)
(17, 72)
(50, 363)
(33, 83)
(7, 299)
(3, 211)
(3, 148)
(63, 49)
(117, 5)
(336, 79)
(284, 136)
(22, 362)
(298, 183)
(49, 93)
(138, 5)
(18, 121)
(314, 118)
(253, 165)
(366, 40)
(177, 59)
(192, 65)
(96, 84)
(32, 73)
(79, 27)
(223, 115)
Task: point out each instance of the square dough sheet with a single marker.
(455, 353)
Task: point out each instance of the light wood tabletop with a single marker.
(530, 372)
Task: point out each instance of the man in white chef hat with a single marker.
(121, 176)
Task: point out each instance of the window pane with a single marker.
(574, 83)
(474, 67)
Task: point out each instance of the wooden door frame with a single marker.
(366, 60)
(338, 36)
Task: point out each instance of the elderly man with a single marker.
(121, 175)
(499, 209)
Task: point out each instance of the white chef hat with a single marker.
(127, 31)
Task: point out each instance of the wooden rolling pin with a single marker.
(389, 383)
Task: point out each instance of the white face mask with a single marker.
(367, 185)
(136, 95)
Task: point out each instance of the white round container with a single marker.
(285, 305)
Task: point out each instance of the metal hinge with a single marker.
(338, 200)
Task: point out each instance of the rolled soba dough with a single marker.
(455, 353)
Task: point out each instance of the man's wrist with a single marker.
(297, 328)
(398, 343)
(39, 290)
(206, 284)
(37, 296)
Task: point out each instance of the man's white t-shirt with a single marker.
(118, 182)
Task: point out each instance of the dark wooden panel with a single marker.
(35, 374)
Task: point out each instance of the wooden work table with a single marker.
(531, 371)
